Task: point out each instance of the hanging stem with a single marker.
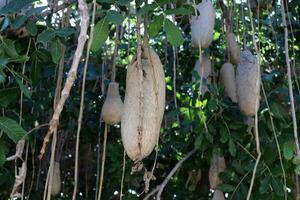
(276, 140)
(123, 175)
(71, 75)
(115, 55)
(287, 60)
(103, 162)
(159, 189)
(82, 101)
(256, 117)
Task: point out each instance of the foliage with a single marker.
(183, 127)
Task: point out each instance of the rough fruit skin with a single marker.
(227, 76)
(202, 26)
(218, 195)
(217, 166)
(207, 70)
(248, 83)
(112, 108)
(56, 181)
(206, 66)
(143, 112)
(233, 48)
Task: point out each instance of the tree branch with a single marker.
(159, 189)
(84, 14)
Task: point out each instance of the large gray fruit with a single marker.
(202, 26)
(248, 83)
(144, 105)
(227, 76)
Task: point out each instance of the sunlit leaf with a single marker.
(174, 35)
(100, 34)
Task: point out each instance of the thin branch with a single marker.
(123, 175)
(159, 189)
(71, 75)
(256, 103)
(115, 55)
(82, 100)
(276, 140)
(103, 162)
(287, 60)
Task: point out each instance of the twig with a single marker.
(276, 140)
(82, 100)
(256, 103)
(167, 179)
(71, 75)
(103, 162)
(98, 160)
(159, 189)
(123, 175)
(287, 60)
(20, 145)
(115, 55)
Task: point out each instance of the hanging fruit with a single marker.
(248, 83)
(113, 106)
(56, 181)
(144, 105)
(233, 48)
(202, 26)
(227, 77)
(217, 165)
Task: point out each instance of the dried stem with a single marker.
(115, 55)
(276, 140)
(159, 189)
(82, 100)
(123, 175)
(256, 103)
(71, 75)
(103, 162)
(287, 60)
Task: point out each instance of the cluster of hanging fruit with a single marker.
(242, 87)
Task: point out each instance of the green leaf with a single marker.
(232, 148)
(56, 51)
(8, 95)
(3, 62)
(15, 6)
(297, 170)
(288, 150)
(18, 59)
(31, 28)
(5, 23)
(147, 8)
(19, 21)
(156, 25)
(174, 35)
(2, 77)
(101, 32)
(65, 32)
(12, 129)
(180, 11)
(278, 187)
(35, 69)
(115, 17)
(226, 187)
(3, 151)
(264, 184)
(45, 36)
(198, 141)
(23, 88)
(9, 48)
(2, 155)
